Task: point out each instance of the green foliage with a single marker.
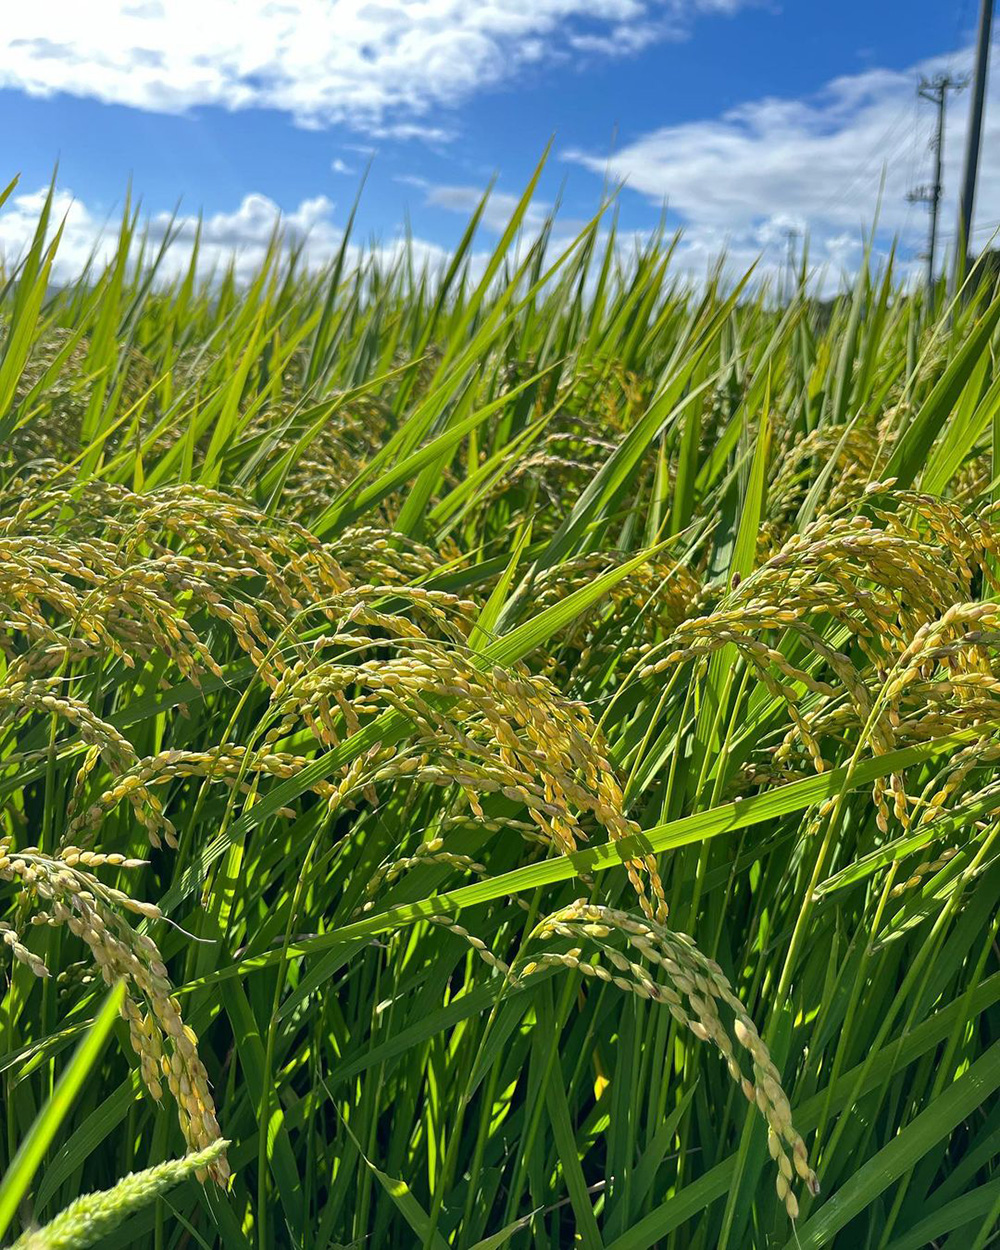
(398, 665)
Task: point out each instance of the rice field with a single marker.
(497, 756)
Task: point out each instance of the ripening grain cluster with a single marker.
(498, 756)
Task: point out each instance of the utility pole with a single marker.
(936, 90)
(973, 139)
(792, 235)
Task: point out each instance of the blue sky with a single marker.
(747, 117)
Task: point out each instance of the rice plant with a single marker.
(517, 744)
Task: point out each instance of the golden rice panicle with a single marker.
(483, 731)
(432, 851)
(228, 764)
(19, 698)
(920, 658)
(167, 1047)
(476, 943)
(14, 944)
(855, 452)
(694, 989)
(639, 609)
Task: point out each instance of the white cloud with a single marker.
(241, 236)
(465, 199)
(622, 40)
(403, 132)
(374, 64)
(741, 179)
(341, 167)
(83, 231)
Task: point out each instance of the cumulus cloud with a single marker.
(341, 167)
(374, 64)
(623, 40)
(464, 200)
(240, 236)
(743, 178)
(84, 232)
(403, 132)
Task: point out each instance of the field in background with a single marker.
(509, 750)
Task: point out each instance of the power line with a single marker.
(897, 134)
(987, 227)
(911, 163)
